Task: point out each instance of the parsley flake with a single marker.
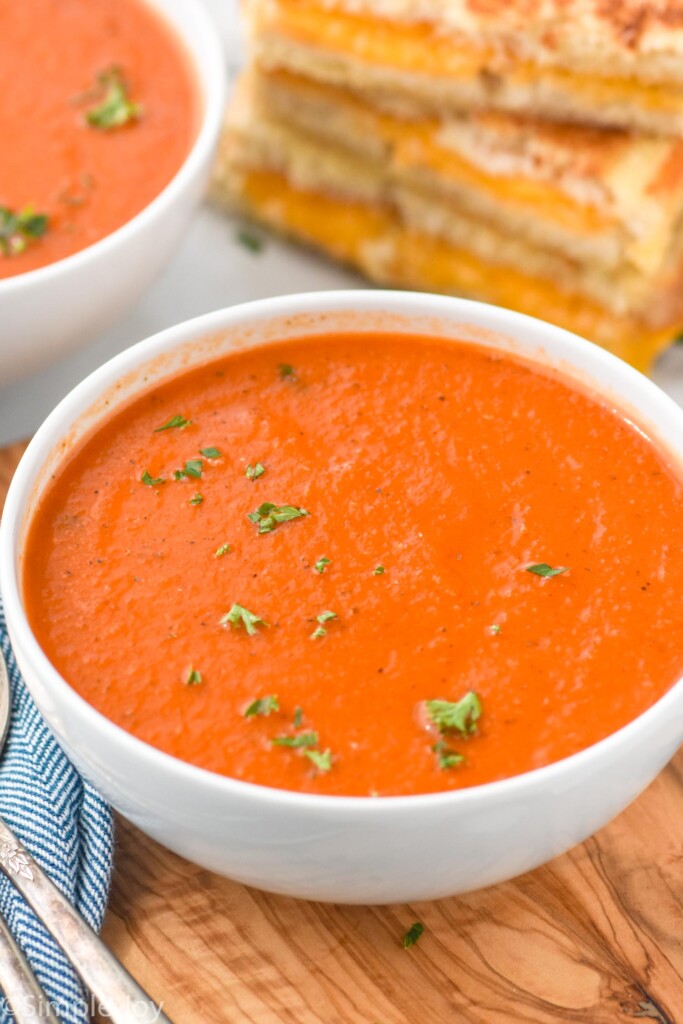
(285, 370)
(151, 481)
(298, 717)
(224, 549)
(379, 570)
(304, 739)
(320, 631)
(197, 499)
(494, 630)
(321, 759)
(211, 453)
(116, 109)
(263, 706)
(18, 229)
(249, 239)
(240, 616)
(175, 423)
(254, 472)
(545, 570)
(459, 716)
(413, 934)
(267, 516)
(447, 758)
(320, 565)
(194, 677)
(192, 468)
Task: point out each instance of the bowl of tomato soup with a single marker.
(358, 596)
(113, 111)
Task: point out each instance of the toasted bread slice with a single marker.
(605, 62)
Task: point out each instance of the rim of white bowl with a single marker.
(604, 367)
(207, 65)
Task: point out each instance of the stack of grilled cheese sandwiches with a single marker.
(528, 154)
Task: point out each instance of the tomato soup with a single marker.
(363, 565)
(99, 111)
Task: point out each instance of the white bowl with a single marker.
(49, 311)
(342, 849)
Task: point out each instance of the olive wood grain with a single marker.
(595, 937)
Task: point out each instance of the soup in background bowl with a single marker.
(372, 562)
(113, 113)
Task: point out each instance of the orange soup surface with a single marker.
(363, 565)
(99, 110)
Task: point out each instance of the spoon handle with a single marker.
(23, 993)
(119, 995)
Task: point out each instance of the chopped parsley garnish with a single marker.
(192, 468)
(197, 499)
(321, 759)
(175, 423)
(254, 472)
(211, 453)
(453, 716)
(459, 716)
(379, 570)
(224, 549)
(304, 739)
(307, 742)
(194, 677)
(151, 481)
(248, 238)
(321, 564)
(285, 371)
(322, 618)
(263, 706)
(494, 630)
(267, 516)
(447, 758)
(545, 570)
(18, 229)
(116, 109)
(413, 934)
(240, 616)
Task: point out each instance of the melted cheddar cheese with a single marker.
(418, 147)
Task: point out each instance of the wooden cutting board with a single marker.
(594, 937)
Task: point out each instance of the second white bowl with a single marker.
(55, 309)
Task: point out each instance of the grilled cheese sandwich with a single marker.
(528, 154)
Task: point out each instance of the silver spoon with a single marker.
(117, 992)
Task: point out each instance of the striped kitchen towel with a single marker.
(66, 826)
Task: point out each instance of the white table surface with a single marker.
(211, 270)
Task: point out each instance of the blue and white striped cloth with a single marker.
(68, 829)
